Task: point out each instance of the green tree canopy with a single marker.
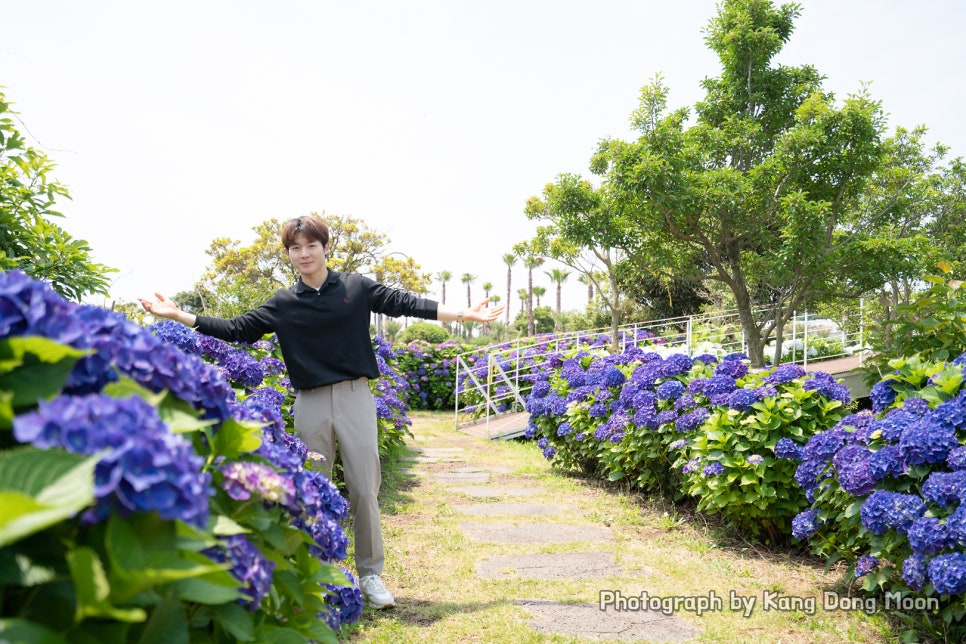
(29, 240)
(774, 189)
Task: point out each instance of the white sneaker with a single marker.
(375, 592)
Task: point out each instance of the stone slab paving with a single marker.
(534, 532)
(570, 565)
(494, 491)
(588, 620)
(418, 459)
(462, 477)
(509, 509)
(491, 470)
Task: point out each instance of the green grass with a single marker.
(431, 564)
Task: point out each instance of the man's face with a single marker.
(307, 255)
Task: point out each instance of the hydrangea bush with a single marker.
(887, 490)
(150, 489)
(702, 427)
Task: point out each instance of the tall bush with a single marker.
(146, 494)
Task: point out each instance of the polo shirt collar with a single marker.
(301, 287)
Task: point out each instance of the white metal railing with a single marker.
(493, 381)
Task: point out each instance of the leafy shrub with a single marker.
(430, 373)
(145, 496)
(932, 326)
(425, 331)
(686, 427)
(888, 490)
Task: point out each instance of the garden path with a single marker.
(485, 543)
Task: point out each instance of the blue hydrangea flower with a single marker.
(248, 565)
(343, 604)
(887, 462)
(914, 572)
(884, 510)
(741, 399)
(692, 420)
(865, 565)
(785, 373)
(944, 488)
(669, 389)
(882, 395)
(852, 463)
(956, 459)
(147, 468)
(894, 423)
(788, 448)
(564, 428)
(928, 440)
(948, 573)
(733, 368)
(928, 536)
(714, 469)
(755, 459)
(805, 524)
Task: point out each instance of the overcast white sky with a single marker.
(176, 122)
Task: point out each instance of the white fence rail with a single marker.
(495, 380)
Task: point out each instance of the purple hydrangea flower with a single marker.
(865, 565)
(248, 565)
(733, 368)
(882, 395)
(852, 463)
(343, 604)
(692, 420)
(785, 373)
(714, 469)
(146, 468)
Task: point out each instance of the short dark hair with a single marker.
(309, 225)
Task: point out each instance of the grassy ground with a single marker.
(431, 564)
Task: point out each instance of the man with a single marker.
(322, 324)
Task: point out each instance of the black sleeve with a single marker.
(248, 327)
(395, 302)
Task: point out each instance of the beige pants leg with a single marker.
(345, 412)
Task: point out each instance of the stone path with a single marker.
(486, 543)
(506, 520)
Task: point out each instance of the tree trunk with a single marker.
(531, 331)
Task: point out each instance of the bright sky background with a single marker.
(176, 122)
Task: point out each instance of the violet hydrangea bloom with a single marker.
(865, 565)
(248, 565)
(343, 604)
(244, 479)
(928, 535)
(146, 468)
(855, 476)
(914, 571)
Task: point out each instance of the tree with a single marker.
(585, 278)
(241, 277)
(765, 187)
(487, 287)
(538, 292)
(468, 278)
(526, 250)
(558, 276)
(442, 277)
(583, 232)
(398, 273)
(509, 259)
(29, 240)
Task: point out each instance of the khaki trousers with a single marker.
(345, 412)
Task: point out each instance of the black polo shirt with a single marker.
(324, 334)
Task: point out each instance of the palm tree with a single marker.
(538, 292)
(558, 276)
(586, 279)
(531, 262)
(443, 277)
(509, 259)
(487, 287)
(468, 279)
